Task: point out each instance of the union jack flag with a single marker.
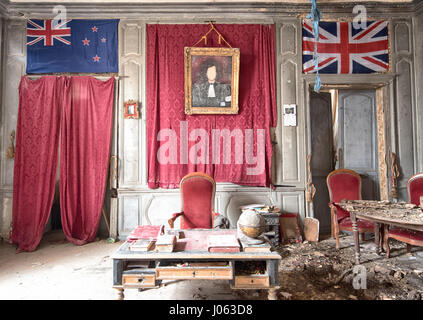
(48, 32)
(344, 49)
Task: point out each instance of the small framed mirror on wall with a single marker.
(131, 110)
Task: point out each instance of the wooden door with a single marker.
(357, 138)
(322, 162)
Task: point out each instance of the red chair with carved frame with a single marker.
(197, 202)
(344, 184)
(410, 237)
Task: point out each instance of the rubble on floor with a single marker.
(310, 271)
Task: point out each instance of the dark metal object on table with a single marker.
(272, 227)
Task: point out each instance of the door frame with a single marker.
(383, 84)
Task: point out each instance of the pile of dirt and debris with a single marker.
(312, 271)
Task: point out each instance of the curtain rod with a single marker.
(98, 75)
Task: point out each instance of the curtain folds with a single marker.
(85, 148)
(36, 156)
(79, 110)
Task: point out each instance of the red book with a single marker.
(145, 232)
(226, 249)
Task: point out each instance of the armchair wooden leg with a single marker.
(377, 237)
(409, 246)
(381, 237)
(337, 239)
(386, 241)
(335, 229)
(362, 236)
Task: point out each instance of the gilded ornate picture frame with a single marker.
(131, 110)
(211, 80)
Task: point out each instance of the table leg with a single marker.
(382, 237)
(120, 293)
(273, 293)
(356, 237)
(377, 237)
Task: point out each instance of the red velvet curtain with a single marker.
(85, 150)
(36, 154)
(80, 109)
(167, 125)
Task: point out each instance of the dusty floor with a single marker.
(60, 270)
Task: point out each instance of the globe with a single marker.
(251, 223)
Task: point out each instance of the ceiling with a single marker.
(207, 1)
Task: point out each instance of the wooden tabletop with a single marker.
(402, 213)
(192, 245)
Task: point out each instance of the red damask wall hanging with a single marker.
(178, 143)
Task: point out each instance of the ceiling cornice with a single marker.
(216, 11)
(4, 8)
(418, 6)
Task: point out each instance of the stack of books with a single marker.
(141, 245)
(260, 208)
(223, 243)
(165, 243)
(143, 238)
(145, 232)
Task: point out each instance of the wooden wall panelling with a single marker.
(154, 207)
(405, 108)
(418, 59)
(235, 200)
(6, 199)
(1, 63)
(129, 213)
(132, 137)
(289, 152)
(13, 68)
(160, 207)
(381, 102)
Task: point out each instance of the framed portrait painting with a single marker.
(211, 80)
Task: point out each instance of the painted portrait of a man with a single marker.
(211, 80)
(210, 91)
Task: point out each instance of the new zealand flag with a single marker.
(72, 46)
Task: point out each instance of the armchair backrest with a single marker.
(343, 184)
(415, 188)
(197, 196)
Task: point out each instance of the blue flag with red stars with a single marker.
(55, 46)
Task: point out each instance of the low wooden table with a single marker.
(191, 260)
(403, 215)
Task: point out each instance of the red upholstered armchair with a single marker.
(410, 237)
(344, 184)
(197, 197)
